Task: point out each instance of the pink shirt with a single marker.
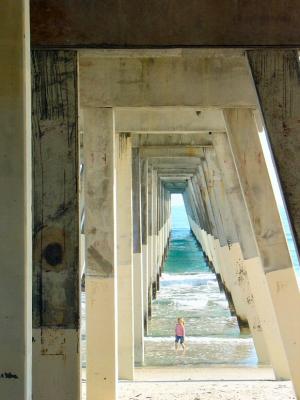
(179, 330)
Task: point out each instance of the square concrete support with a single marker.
(150, 237)
(265, 220)
(125, 258)
(15, 202)
(144, 219)
(56, 328)
(101, 253)
(138, 270)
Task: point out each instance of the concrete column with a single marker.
(137, 260)
(101, 253)
(144, 215)
(265, 220)
(232, 262)
(150, 237)
(125, 258)
(214, 232)
(245, 250)
(154, 232)
(165, 227)
(15, 202)
(161, 224)
(220, 257)
(276, 78)
(56, 276)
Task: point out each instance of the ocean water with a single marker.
(190, 290)
(290, 243)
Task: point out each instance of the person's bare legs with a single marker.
(183, 347)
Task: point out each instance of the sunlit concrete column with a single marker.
(144, 218)
(220, 259)
(166, 221)
(265, 220)
(101, 253)
(15, 202)
(245, 249)
(154, 232)
(150, 237)
(267, 320)
(240, 288)
(138, 281)
(56, 298)
(214, 229)
(159, 203)
(125, 257)
(276, 78)
(200, 224)
(161, 226)
(232, 262)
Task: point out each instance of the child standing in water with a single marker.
(179, 333)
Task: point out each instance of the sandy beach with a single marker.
(205, 383)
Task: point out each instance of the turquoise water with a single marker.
(291, 244)
(190, 290)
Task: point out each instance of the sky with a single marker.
(177, 200)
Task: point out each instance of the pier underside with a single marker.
(95, 142)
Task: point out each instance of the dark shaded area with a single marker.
(168, 23)
(53, 254)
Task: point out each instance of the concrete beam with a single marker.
(175, 162)
(171, 139)
(147, 25)
(206, 81)
(170, 151)
(172, 120)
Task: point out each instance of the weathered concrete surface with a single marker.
(168, 138)
(170, 151)
(145, 242)
(138, 270)
(15, 202)
(265, 220)
(154, 230)
(55, 225)
(150, 237)
(267, 317)
(101, 250)
(124, 257)
(156, 24)
(276, 75)
(183, 120)
(199, 81)
(235, 196)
